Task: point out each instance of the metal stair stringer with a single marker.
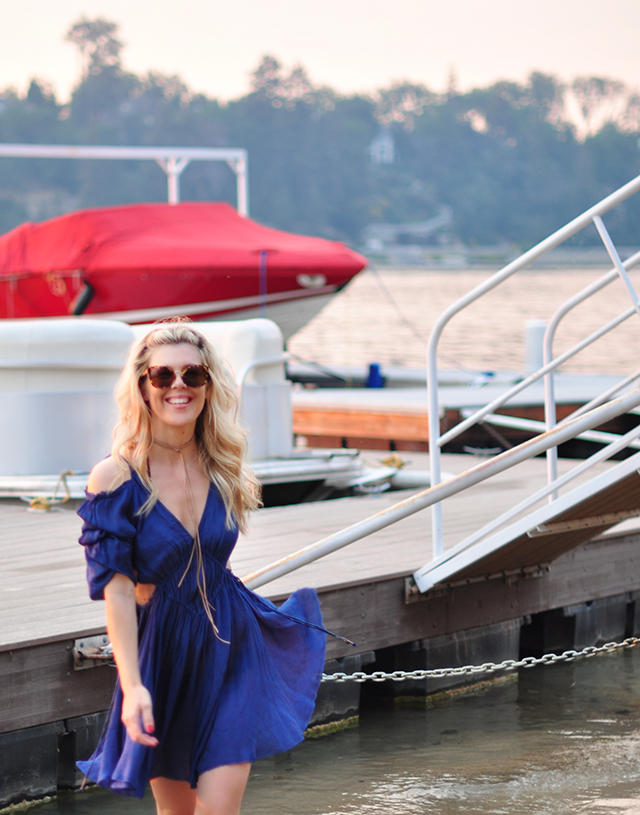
(544, 534)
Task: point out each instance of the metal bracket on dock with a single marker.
(607, 519)
(412, 593)
(92, 652)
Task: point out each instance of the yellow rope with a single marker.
(393, 460)
(41, 502)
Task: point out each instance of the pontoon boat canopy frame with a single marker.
(172, 160)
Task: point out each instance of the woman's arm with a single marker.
(122, 627)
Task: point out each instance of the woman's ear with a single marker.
(145, 399)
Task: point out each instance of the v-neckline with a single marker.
(174, 516)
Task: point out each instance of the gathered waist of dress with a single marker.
(186, 585)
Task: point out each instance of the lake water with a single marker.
(554, 740)
(379, 316)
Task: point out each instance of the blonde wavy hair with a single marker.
(220, 439)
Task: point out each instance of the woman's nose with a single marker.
(178, 381)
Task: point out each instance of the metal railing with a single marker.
(561, 313)
(615, 445)
(259, 362)
(172, 160)
(582, 421)
(438, 440)
(433, 495)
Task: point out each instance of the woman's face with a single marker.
(177, 405)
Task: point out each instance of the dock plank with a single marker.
(44, 605)
(327, 415)
(43, 593)
(363, 423)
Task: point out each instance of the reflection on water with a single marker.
(362, 323)
(557, 740)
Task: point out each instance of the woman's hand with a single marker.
(137, 706)
(137, 715)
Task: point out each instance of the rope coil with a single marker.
(42, 503)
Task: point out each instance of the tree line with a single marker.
(512, 161)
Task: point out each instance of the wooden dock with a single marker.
(397, 417)
(44, 606)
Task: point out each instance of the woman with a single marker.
(210, 676)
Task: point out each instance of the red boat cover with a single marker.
(148, 236)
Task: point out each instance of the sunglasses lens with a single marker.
(161, 376)
(195, 376)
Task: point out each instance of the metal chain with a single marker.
(485, 668)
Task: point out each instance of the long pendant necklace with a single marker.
(196, 549)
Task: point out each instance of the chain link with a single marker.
(486, 667)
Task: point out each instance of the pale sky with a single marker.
(350, 45)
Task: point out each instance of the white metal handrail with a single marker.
(561, 313)
(172, 160)
(259, 362)
(592, 215)
(604, 396)
(67, 364)
(499, 401)
(581, 422)
(442, 490)
(518, 422)
(547, 354)
(615, 257)
(621, 443)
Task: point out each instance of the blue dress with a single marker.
(214, 702)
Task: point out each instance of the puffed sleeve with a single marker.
(108, 534)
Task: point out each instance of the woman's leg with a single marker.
(220, 790)
(173, 797)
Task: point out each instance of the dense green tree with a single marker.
(506, 159)
(98, 44)
(99, 98)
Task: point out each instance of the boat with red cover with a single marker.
(145, 262)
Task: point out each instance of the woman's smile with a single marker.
(178, 400)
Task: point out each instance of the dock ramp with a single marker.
(530, 544)
(539, 536)
(528, 537)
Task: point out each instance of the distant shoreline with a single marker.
(393, 268)
(469, 258)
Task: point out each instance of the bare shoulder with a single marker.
(107, 476)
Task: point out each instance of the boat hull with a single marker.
(147, 262)
(44, 297)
